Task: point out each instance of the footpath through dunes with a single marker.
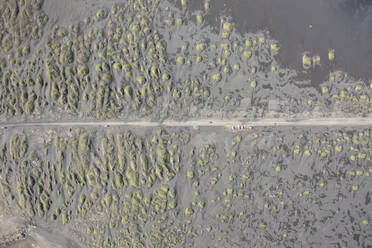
(349, 121)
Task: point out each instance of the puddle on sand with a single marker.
(342, 25)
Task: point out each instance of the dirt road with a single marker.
(366, 121)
